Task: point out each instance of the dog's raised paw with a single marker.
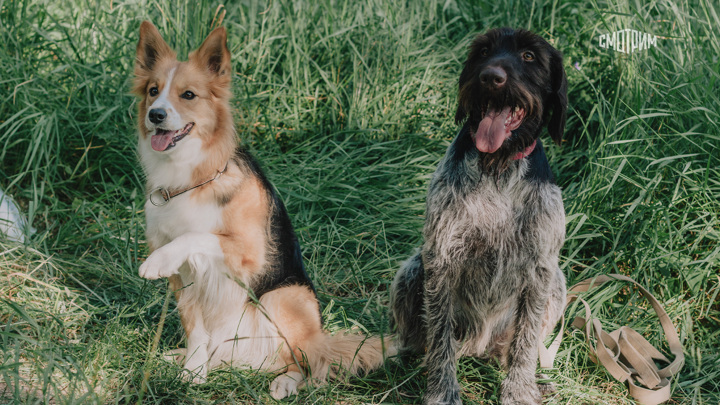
(286, 384)
(160, 264)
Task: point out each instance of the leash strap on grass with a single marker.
(626, 354)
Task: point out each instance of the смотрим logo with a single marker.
(628, 41)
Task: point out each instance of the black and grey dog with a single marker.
(486, 281)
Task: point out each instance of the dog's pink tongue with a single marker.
(161, 142)
(492, 132)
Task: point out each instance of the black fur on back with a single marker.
(285, 262)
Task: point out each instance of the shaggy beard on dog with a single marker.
(527, 89)
(486, 281)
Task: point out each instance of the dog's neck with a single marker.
(216, 159)
(187, 167)
(161, 196)
(525, 152)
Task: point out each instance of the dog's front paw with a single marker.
(448, 396)
(197, 376)
(515, 393)
(160, 264)
(176, 356)
(286, 384)
(545, 385)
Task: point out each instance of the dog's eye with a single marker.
(153, 91)
(188, 95)
(484, 52)
(528, 56)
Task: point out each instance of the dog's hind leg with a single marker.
(442, 384)
(406, 305)
(306, 347)
(176, 356)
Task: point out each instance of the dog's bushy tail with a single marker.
(346, 353)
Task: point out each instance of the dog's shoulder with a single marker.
(538, 169)
(457, 169)
(460, 147)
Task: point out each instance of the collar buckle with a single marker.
(159, 197)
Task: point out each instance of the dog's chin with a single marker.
(163, 140)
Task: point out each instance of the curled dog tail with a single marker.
(333, 355)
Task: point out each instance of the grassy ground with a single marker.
(349, 106)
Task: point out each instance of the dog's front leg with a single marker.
(198, 338)
(406, 305)
(520, 387)
(199, 248)
(442, 384)
(194, 358)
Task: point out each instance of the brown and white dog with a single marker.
(221, 235)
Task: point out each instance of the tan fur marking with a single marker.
(145, 68)
(175, 284)
(218, 147)
(296, 313)
(243, 238)
(156, 77)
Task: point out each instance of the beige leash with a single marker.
(626, 354)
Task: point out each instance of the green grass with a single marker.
(349, 106)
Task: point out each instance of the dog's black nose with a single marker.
(157, 115)
(493, 77)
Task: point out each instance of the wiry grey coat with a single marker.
(486, 281)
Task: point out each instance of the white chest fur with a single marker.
(179, 216)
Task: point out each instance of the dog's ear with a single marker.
(460, 114)
(466, 76)
(151, 47)
(213, 54)
(558, 98)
